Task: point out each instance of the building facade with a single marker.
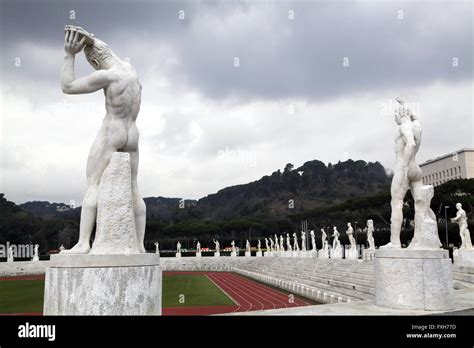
(455, 165)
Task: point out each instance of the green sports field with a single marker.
(25, 296)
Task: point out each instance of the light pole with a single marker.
(446, 224)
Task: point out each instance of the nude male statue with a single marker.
(407, 174)
(350, 234)
(324, 237)
(119, 133)
(461, 220)
(335, 242)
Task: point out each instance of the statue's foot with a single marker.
(79, 248)
(391, 245)
(141, 248)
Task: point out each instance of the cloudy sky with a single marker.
(233, 90)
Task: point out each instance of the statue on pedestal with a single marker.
(267, 246)
(303, 241)
(295, 242)
(157, 248)
(178, 248)
(247, 246)
(35, 253)
(370, 234)
(272, 245)
(408, 176)
(313, 241)
(198, 247)
(277, 245)
(118, 133)
(282, 247)
(288, 243)
(350, 234)
(217, 245)
(461, 220)
(10, 254)
(324, 240)
(259, 246)
(335, 242)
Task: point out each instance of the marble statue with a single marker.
(10, 257)
(461, 220)
(408, 176)
(282, 246)
(277, 245)
(198, 247)
(295, 242)
(62, 248)
(232, 244)
(35, 253)
(118, 133)
(272, 245)
(259, 246)
(157, 248)
(178, 248)
(267, 245)
(350, 234)
(217, 245)
(324, 239)
(303, 241)
(335, 242)
(313, 241)
(370, 234)
(247, 246)
(288, 243)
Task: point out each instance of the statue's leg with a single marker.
(139, 207)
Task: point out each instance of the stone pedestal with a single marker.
(336, 253)
(233, 254)
(323, 254)
(413, 279)
(247, 254)
(178, 254)
(295, 253)
(198, 254)
(103, 285)
(368, 254)
(217, 254)
(267, 254)
(258, 254)
(352, 254)
(464, 257)
(35, 258)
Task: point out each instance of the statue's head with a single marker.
(370, 222)
(458, 206)
(97, 54)
(348, 224)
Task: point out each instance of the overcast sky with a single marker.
(314, 80)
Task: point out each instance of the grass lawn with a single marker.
(192, 290)
(24, 296)
(21, 296)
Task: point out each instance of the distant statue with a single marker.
(61, 248)
(259, 246)
(335, 242)
(271, 245)
(313, 241)
(324, 239)
(232, 246)
(303, 241)
(267, 245)
(408, 176)
(277, 245)
(157, 248)
(10, 254)
(217, 245)
(461, 220)
(350, 234)
(370, 234)
(288, 243)
(178, 247)
(198, 247)
(282, 240)
(295, 242)
(35, 253)
(247, 246)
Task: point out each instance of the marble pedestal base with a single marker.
(267, 254)
(413, 279)
(295, 253)
(352, 254)
(217, 254)
(35, 259)
(323, 254)
(336, 253)
(368, 254)
(258, 254)
(233, 254)
(247, 254)
(464, 257)
(198, 254)
(178, 254)
(103, 285)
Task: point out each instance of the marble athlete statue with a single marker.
(370, 234)
(324, 240)
(461, 220)
(303, 241)
(288, 243)
(335, 242)
(119, 133)
(350, 234)
(295, 242)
